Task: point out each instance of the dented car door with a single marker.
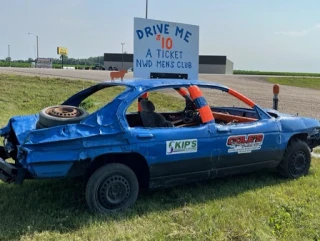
(176, 155)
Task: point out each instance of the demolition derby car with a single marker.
(120, 151)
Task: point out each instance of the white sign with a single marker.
(181, 146)
(44, 63)
(165, 47)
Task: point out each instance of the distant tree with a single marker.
(65, 58)
(8, 59)
(71, 61)
(30, 60)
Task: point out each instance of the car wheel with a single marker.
(112, 188)
(61, 115)
(296, 160)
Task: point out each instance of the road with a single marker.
(293, 100)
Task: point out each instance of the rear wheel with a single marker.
(296, 160)
(112, 188)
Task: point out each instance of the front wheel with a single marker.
(112, 188)
(296, 160)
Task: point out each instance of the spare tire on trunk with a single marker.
(60, 115)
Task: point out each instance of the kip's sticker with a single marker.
(245, 143)
(181, 146)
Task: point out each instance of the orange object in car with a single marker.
(201, 104)
(144, 96)
(241, 97)
(182, 92)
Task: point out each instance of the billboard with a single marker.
(62, 51)
(44, 63)
(165, 47)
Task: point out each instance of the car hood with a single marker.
(294, 123)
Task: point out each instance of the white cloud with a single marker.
(300, 33)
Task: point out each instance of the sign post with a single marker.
(276, 90)
(165, 49)
(62, 51)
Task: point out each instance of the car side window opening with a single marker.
(190, 106)
(227, 108)
(100, 98)
(169, 108)
(156, 109)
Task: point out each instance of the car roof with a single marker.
(154, 83)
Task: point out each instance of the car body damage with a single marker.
(157, 149)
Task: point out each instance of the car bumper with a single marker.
(11, 173)
(313, 140)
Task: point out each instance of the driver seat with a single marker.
(150, 118)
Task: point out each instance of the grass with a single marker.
(257, 206)
(14, 64)
(22, 95)
(313, 83)
(316, 150)
(253, 72)
(28, 95)
(28, 65)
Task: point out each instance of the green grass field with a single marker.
(304, 82)
(254, 72)
(14, 64)
(257, 206)
(28, 65)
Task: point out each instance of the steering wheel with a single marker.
(190, 116)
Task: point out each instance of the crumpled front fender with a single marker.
(299, 124)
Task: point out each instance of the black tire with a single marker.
(49, 120)
(112, 188)
(3, 153)
(296, 160)
(40, 126)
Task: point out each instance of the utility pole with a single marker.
(122, 54)
(146, 8)
(37, 47)
(9, 58)
(37, 44)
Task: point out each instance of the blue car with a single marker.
(120, 152)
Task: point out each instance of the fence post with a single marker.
(276, 90)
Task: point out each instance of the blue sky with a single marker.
(268, 35)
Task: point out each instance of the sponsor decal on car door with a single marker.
(245, 143)
(181, 146)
